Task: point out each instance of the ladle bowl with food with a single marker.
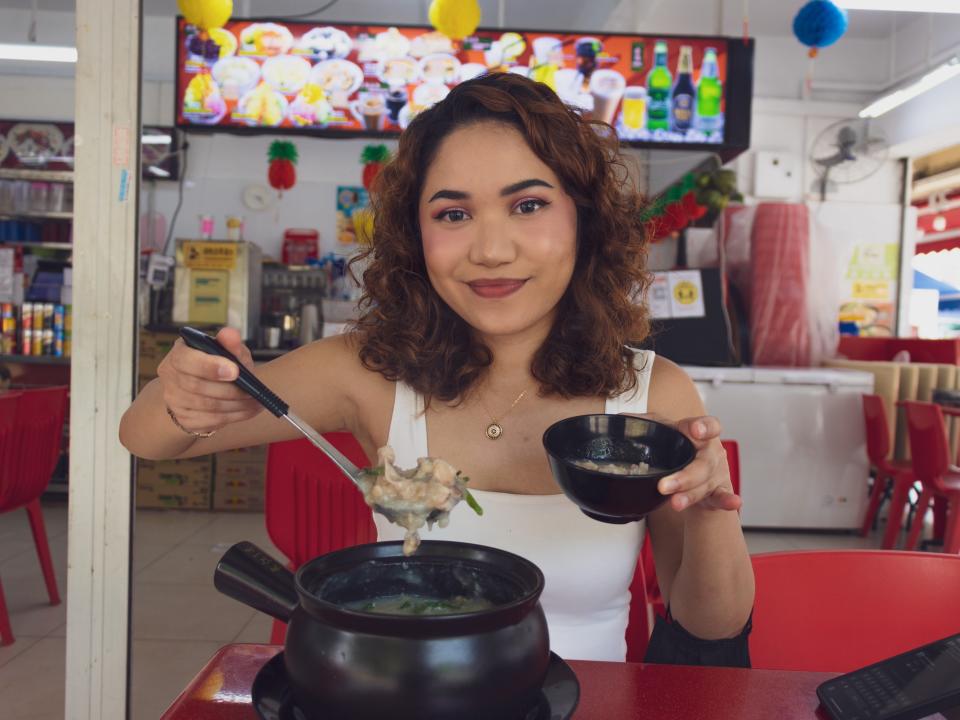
(453, 632)
(411, 498)
(610, 465)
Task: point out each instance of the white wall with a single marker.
(222, 165)
(791, 127)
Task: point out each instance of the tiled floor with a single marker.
(179, 619)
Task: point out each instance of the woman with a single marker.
(500, 297)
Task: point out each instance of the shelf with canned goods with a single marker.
(38, 215)
(65, 176)
(35, 359)
(36, 330)
(37, 245)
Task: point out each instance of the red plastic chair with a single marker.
(930, 455)
(646, 599)
(886, 470)
(27, 469)
(838, 610)
(310, 507)
(8, 410)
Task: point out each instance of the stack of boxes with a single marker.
(228, 481)
(239, 479)
(175, 484)
(172, 484)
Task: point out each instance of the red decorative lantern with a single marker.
(373, 158)
(282, 172)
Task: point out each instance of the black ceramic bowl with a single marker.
(610, 497)
(347, 664)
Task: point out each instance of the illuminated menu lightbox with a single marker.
(371, 80)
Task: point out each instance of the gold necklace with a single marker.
(495, 429)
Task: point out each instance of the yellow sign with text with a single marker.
(210, 255)
(871, 290)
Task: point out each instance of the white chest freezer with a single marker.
(803, 460)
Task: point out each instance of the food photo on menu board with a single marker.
(373, 80)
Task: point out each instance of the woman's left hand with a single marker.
(705, 482)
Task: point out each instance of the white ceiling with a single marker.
(766, 17)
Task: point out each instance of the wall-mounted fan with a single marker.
(847, 152)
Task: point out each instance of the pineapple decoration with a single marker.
(373, 158)
(282, 172)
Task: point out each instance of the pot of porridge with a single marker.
(454, 631)
(609, 465)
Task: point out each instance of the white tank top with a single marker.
(588, 565)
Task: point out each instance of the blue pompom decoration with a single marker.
(820, 23)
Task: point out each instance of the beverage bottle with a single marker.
(683, 91)
(709, 117)
(659, 82)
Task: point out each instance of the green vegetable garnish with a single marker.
(472, 502)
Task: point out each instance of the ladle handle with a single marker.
(248, 574)
(246, 379)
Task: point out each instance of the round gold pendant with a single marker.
(494, 431)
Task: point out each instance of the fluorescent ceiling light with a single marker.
(888, 102)
(38, 53)
(159, 172)
(156, 139)
(931, 6)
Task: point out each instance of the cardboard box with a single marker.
(237, 503)
(247, 474)
(176, 484)
(240, 480)
(256, 455)
(154, 346)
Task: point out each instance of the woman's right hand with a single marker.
(198, 388)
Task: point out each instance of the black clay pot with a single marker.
(619, 438)
(346, 664)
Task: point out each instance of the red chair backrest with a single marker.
(878, 434)
(644, 588)
(310, 507)
(838, 610)
(8, 444)
(929, 450)
(38, 436)
(733, 462)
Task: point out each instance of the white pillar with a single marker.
(104, 315)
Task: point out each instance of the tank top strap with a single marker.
(408, 426)
(635, 401)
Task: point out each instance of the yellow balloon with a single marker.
(206, 14)
(363, 226)
(455, 18)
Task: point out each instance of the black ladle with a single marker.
(249, 383)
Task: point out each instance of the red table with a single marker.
(608, 691)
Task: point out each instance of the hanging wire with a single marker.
(319, 10)
(746, 21)
(183, 176)
(32, 31)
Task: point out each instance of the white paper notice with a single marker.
(658, 296)
(7, 275)
(686, 294)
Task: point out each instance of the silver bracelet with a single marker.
(189, 432)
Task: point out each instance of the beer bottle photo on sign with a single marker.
(683, 91)
(659, 82)
(709, 117)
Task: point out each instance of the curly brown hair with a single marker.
(408, 333)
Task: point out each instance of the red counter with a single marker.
(883, 349)
(608, 691)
